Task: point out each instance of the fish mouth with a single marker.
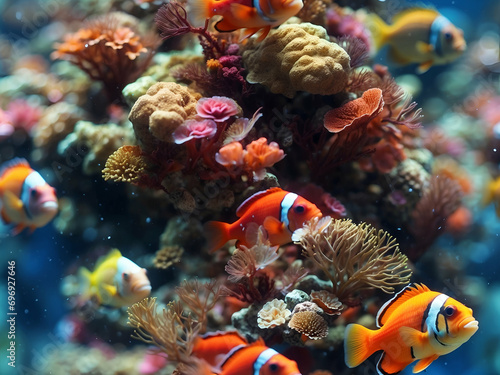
(470, 323)
(143, 288)
(52, 205)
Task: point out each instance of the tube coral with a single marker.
(353, 257)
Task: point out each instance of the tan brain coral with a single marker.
(164, 107)
(297, 58)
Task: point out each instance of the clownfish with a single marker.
(26, 200)
(229, 354)
(492, 194)
(116, 281)
(280, 213)
(419, 35)
(251, 15)
(416, 325)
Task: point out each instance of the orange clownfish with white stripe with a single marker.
(280, 212)
(228, 353)
(26, 200)
(416, 325)
(251, 15)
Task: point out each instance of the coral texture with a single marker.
(126, 165)
(158, 113)
(309, 324)
(297, 58)
(274, 313)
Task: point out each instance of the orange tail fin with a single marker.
(356, 345)
(217, 234)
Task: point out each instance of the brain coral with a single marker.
(297, 58)
(160, 111)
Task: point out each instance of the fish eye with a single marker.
(273, 367)
(448, 36)
(299, 209)
(450, 310)
(125, 276)
(33, 193)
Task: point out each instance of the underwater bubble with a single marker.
(26, 311)
(148, 220)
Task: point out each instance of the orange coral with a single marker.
(108, 49)
(231, 155)
(356, 112)
(261, 155)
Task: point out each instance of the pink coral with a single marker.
(192, 129)
(152, 363)
(217, 108)
(23, 115)
(6, 128)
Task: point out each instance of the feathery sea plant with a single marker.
(170, 329)
(353, 257)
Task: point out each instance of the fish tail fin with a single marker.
(379, 29)
(357, 345)
(217, 234)
(198, 11)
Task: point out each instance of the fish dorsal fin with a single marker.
(115, 253)
(404, 295)
(429, 12)
(243, 208)
(16, 162)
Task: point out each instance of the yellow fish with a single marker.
(116, 281)
(492, 194)
(416, 325)
(419, 35)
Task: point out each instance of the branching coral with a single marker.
(171, 330)
(354, 257)
(110, 50)
(243, 269)
(199, 298)
(297, 58)
(441, 198)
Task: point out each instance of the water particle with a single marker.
(148, 220)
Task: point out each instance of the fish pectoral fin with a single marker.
(424, 363)
(412, 337)
(423, 47)
(110, 289)
(273, 225)
(12, 201)
(17, 229)
(388, 365)
(224, 26)
(425, 66)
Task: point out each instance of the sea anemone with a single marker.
(231, 155)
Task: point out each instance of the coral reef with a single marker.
(297, 58)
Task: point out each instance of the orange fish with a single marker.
(416, 325)
(251, 15)
(278, 211)
(26, 200)
(229, 354)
